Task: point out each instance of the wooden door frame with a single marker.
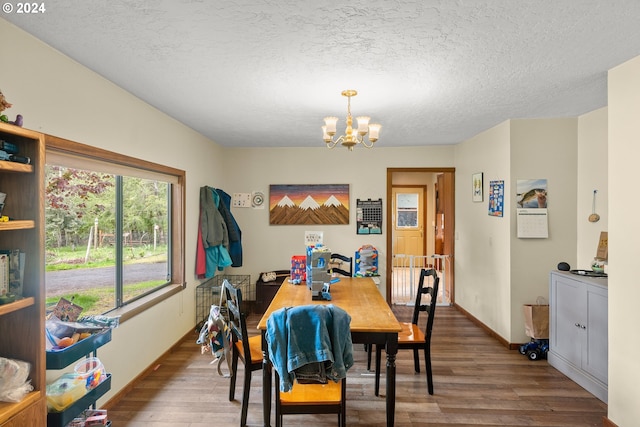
(448, 201)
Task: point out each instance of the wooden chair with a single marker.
(310, 397)
(412, 337)
(245, 348)
(329, 398)
(339, 259)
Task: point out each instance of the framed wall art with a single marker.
(496, 198)
(296, 204)
(477, 192)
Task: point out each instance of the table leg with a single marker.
(392, 351)
(266, 383)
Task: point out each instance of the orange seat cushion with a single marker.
(255, 346)
(410, 333)
(317, 394)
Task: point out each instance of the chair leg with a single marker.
(378, 357)
(277, 401)
(368, 348)
(427, 359)
(416, 360)
(234, 372)
(245, 397)
(342, 416)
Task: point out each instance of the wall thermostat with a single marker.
(257, 200)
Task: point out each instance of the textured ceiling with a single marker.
(252, 73)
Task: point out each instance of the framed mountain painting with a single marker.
(308, 204)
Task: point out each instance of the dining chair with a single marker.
(245, 348)
(412, 337)
(329, 398)
(312, 391)
(338, 259)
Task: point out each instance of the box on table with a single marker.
(298, 268)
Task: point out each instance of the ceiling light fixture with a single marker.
(352, 137)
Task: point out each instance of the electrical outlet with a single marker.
(241, 200)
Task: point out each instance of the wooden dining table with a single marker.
(372, 322)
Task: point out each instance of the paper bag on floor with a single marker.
(536, 320)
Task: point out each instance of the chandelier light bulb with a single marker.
(374, 131)
(363, 124)
(330, 123)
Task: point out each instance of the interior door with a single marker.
(408, 221)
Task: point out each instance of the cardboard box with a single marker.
(96, 420)
(603, 246)
(299, 268)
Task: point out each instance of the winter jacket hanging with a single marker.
(213, 236)
(233, 230)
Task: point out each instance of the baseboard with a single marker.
(487, 329)
(131, 384)
(606, 422)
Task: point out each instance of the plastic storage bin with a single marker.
(91, 371)
(64, 391)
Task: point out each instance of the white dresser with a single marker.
(578, 336)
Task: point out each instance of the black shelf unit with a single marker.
(63, 358)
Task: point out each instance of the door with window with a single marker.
(408, 221)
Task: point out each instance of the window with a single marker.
(114, 229)
(407, 210)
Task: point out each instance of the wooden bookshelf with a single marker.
(22, 321)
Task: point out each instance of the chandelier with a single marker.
(351, 137)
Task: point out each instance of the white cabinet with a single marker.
(578, 336)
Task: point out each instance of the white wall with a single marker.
(59, 97)
(496, 273)
(364, 170)
(482, 256)
(592, 175)
(624, 234)
(542, 148)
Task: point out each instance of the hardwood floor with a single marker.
(477, 382)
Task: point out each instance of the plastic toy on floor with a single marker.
(535, 349)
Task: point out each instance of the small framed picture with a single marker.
(477, 191)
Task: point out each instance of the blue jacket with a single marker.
(233, 229)
(300, 335)
(215, 238)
